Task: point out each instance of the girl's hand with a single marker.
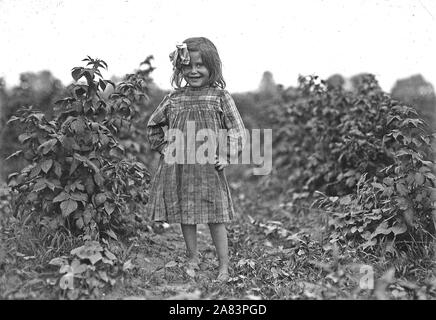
(220, 163)
(164, 151)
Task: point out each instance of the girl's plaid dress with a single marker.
(193, 193)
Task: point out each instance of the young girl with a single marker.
(194, 193)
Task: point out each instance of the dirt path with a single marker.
(161, 269)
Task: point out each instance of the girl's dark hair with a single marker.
(209, 56)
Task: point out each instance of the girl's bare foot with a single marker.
(193, 264)
(223, 274)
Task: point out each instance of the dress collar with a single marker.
(189, 88)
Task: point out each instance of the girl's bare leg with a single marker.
(219, 237)
(190, 235)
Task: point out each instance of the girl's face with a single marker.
(196, 74)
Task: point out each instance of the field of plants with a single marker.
(348, 211)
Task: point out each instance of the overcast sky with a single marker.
(392, 39)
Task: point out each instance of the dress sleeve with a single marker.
(158, 119)
(236, 134)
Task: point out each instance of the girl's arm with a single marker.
(236, 134)
(155, 132)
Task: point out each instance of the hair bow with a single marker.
(181, 53)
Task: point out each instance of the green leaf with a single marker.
(39, 185)
(57, 169)
(14, 154)
(111, 234)
(346, 200)
(67, 207)
(47, 146)
(61, 197)
(59, 261)
(111, 83)
(65, 101)
(103, 276)
(102, 84)
(14, 118)
(89, 185)
(333, 199)
(87, 216)
(14, 174)
(80, 157)
(88, 106)
(349, 173)
(69, 143)
(24, 137)
(35, 171)
(78, 267)
(73, 166)
(77, 73)
(419, 179)
(127, 265)
(37, 116)
(402, 203)
(109, 207)
(89, 251)
(46, 165)
(403, 152)
(79, 186)
(78, 251)
(428, 163)
(171, 264)
(80, 89)
(86, 162)
(417, 142)
(78, 126)
(388, 181)
(104, 139)
(409, 216)
(382, 229)
(31, 197)
(413, 122)
(52, 185)
(79, 223)
(399, 229)
(390, 118)
(109, 255)
(67, 281)
(430, 176)
(402, 189)
(102, 105)
(98, 178)
(79, 196)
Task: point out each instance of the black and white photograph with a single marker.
(217, 155)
